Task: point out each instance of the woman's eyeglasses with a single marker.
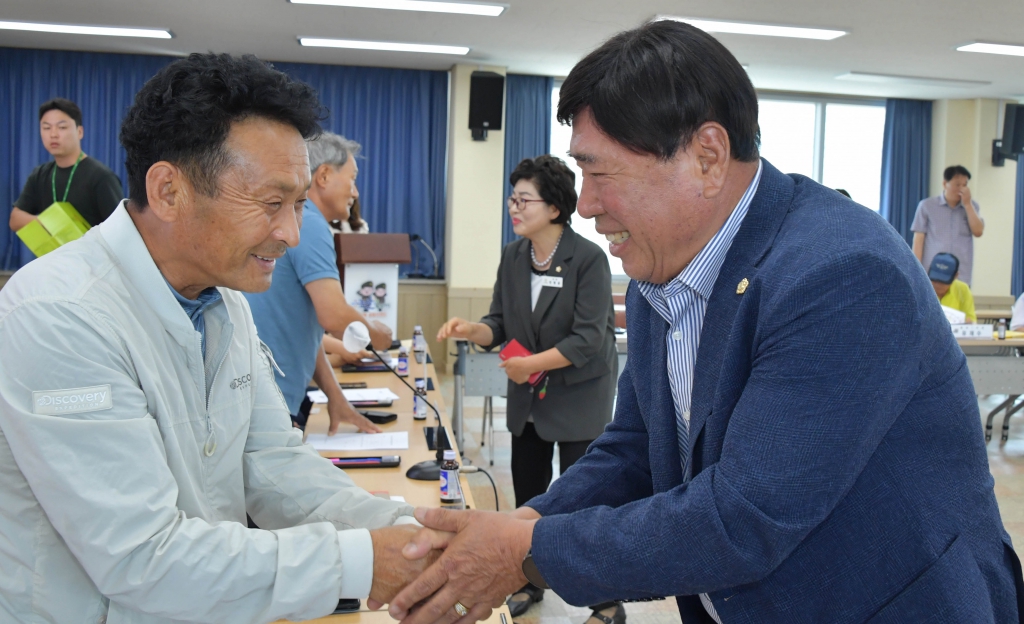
(520, 204)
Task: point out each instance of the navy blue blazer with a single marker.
(837, 469)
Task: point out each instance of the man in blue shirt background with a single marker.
(949, 222)
(305, 297)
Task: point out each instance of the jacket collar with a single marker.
(647, 361)
(523, 273)
(136, 264)
(702, 272)
(765, 216)
(557, 268)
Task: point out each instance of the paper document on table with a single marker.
(396, 441)
(954, 317)
(370, 395)
(317, 396)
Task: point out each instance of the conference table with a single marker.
(393, 480)
(997, 367)
(993, 315)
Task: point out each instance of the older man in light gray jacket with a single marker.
(139, 417)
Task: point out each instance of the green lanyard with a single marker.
(53, 179)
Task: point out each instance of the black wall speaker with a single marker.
(1012, 144)
(486, 99)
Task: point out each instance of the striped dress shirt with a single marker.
(682, 302)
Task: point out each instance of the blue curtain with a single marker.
(1017, 278)
(399, 116)
(527, 129)
(906, 161)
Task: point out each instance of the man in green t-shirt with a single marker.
(952, 292)
(84, 182)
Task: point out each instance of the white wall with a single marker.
(476, 174)
(476, 171)
(962, 134)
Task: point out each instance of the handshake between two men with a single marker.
(457, 568)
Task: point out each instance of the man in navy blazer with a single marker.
(796, 437)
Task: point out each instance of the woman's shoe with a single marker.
(618, 617)
(521, 601)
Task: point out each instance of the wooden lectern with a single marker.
(368, 266)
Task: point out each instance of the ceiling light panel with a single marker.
(993, 48)
(74, 29)
(867, 77)
(430, 6)
(386, 46)
(764, 30)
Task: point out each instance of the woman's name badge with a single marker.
(554, 282)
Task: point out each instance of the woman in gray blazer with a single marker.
(553, 295)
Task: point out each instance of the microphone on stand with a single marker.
(355, 339)
(414, 238)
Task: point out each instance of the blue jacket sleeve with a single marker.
(820, 396)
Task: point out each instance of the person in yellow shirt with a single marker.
(952, 292)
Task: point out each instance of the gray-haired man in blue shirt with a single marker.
(305, 297)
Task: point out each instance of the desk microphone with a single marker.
(355, 339)
(414, 238)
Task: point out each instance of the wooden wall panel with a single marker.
(423, 302)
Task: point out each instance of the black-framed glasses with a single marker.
(520, 204)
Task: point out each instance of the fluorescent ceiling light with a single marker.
(383, 45)
(431, 6)
(71, 29)
(993, 48)
(856, 76)
(767, 30)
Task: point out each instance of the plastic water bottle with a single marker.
(419, 400)
(419, 344)
(451, 488)
(1001, 329)
(403, 362)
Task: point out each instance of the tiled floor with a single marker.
(1006, 461)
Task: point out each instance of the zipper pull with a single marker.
(211, 444)
(270, 356)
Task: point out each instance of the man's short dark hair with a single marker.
(653, 87)
(67, 107)
(954, 171)
(183, 114)
(554, 180)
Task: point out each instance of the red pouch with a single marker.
(515, 349)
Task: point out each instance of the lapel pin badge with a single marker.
(742, 286)
(558, 269)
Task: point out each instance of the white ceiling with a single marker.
(902, 37)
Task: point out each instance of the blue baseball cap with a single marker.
(944, 268)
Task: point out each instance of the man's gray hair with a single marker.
(331, 149)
